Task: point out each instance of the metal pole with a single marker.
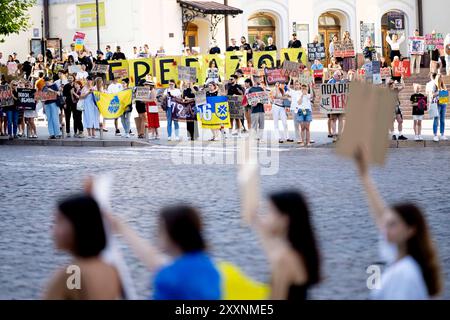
(97, 16)
(420, 12)
(227, 31)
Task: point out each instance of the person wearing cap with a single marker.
(52, 110)
(294, 43)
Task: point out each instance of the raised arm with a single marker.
(375, 200)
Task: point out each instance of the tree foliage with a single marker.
(14, 16)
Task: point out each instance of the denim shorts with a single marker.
(304, 117)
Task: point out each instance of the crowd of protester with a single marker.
(290, 100)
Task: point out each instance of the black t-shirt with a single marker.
(67, 93)
(419, 102)
(259, 107)
(295, 44)
(245, 47)
(212, 94)
(435, 55)
(271, 48)
(233, 48)
(188, 94)
(118, 56)
(215, 50)
(87, 62)
(235, 89)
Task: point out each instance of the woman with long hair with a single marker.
(188, 272)
(349, 62)
(91, 116)
(439, 121)
(79, 231)
(413, 271)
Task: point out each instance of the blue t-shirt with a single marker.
(192, 276)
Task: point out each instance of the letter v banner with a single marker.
(296, 55)
(112, 106)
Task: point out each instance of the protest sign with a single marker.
(401, 69)
(443, 97)
(376, 72)
(396, 21)
(367, 30)
(12, 68)
(26, 99)
(265, 58)
(305, 77)
(235, 105)
(417, 45)
(367, 124)
(142, 94)
(193, 62)
(166, 68)
(292, 69)
(316, 51)
(219, 59)
(79, 35)
(368, 68)
(200, 98)
(214, 114)
(212, 75)
(187, 74)
(275, 75)
(298, 55)
(73, 69)
(258, 98)
(182, 110)
(385, 73)
(45, 95)
(233, 61)
(79, 44)
(6, 96)
(112, 106)
(100, 68)
(344, 50)
(334, 98)
(434, 41)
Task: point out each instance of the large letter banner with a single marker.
(139, 69)
(215, 114)
(233, 61)
(269, 58)
(182, 111)
(334, 98)
(118, 69)
(166, 68)
(193, 62)
(112, 106)
(207, 59)
(296, 55)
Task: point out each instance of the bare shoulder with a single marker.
(57, 286)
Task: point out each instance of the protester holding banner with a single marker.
(234, 89)
(416, 55)
(125, 117)
(114, 88)
(279, 113)
(75, 94)
(270, 46)
(189, 95)
(246, 48)
(439, 121)
(188, 273)
(172, 91)
(31, 114)
(141, 108)
(405, 244)
(337, 119)
(213, 91)
(395, 43)
(51, 109)
(91, 115)
(153, 112)
(257, 113)
(212, 73)
(294, 43)
(348, 62)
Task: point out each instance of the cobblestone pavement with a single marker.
(32, 179)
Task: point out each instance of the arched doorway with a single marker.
(395, 23)
(191, 37)
(263, 26)
(329, 26)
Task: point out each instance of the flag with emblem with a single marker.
(215, 114)
(112, 106)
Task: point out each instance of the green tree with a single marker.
(14, 16)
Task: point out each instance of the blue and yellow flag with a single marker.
(112, 106)
(215, 114)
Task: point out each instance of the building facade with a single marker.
(158, 23)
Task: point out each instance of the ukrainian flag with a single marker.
(112, 106)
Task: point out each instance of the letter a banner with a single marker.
(112, 106)
(215, 114)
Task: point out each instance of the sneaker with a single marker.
(416, 138)
(132, 133)
(117, 133)
(11, 138)
(420, 138)
(127, 136)
(169, 139)
(177, 139)
(52, 138)
(436, 139)
(68, 135)
(444, 138)
(290, 140)
(403, 138)
(330, 136)
(280, 141)
(394, 137)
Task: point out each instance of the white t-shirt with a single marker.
(402, 280)
(82, 75)
(114, 88)
(305, 103)
(176, 93)
(74, 54)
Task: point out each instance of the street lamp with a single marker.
(97, 17)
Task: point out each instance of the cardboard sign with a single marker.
(402, 69)
(200, 98)
(385, 73)
(334, 98)
(79, 35)
(396, 21)
(187, 74)
(45, 96)
(316, 51)
(100, 68)
(142, 94)
(274, 76)
(417, 45)
(367, 124)
(26, 99)
(235, 105)
(304, 77)
(292, 69)
(6, 96)
(12, 68)
(344, 50)
(74, 69)
(258, 98)
(434, 41)
(193, 62)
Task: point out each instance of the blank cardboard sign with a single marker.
(369, 116)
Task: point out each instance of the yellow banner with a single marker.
(112, 106)
(139, 69)
(269, 58)
(166, 68)
(118, 69)
(87, 15)
(206, 60)
(193, 62)
(295, 55)
(233, 61)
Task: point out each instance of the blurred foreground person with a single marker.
(413, 271)
(79, 230)
(189, 273)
